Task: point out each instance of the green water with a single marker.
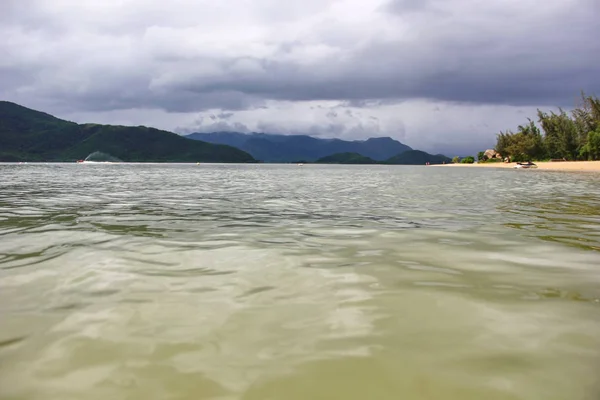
(284, 282)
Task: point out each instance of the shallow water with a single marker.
(285, 282)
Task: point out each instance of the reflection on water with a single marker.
(278, 282)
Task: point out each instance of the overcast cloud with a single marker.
(441, 75)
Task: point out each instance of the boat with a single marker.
(528, 164)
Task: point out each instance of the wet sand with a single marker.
(590, 166)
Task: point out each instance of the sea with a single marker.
(288, 282)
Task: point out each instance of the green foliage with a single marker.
(456, 160)
(29, 135)
(482, 158)
(561, 137)
(526, 144)
(493, 160)
(468, 160)
(591, 150)
(565, 136)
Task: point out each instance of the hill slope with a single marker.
(346, 158)
(289, 148)
(417, 157)
(29, 135)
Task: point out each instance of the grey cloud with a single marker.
(225, 115)
(460, 145)
(323, 130)
(407, 6)
(218, 126)
(460, 51)
(486, 63)
(330, 130)
(523, 73)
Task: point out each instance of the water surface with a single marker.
(283, 282)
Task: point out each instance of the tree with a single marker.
(561, 139)
(565, 135)
(586, 117)
(455, 160)
(591, 150)
(481, 156)
(503, 142)
(468, 160)
(594, 144)
(526, 144)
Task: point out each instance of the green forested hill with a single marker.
(410, 157)
(417, 157)
(29, 135)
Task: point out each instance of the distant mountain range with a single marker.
(292, 148)
(29, 135)
(346, 158)
(410, 157)
(418, 157)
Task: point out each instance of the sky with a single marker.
(439, 75)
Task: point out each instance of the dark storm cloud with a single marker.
(544, 65)
(452, 51)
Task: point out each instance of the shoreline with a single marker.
(585, 166)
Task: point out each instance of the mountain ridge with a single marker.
(32, 135)
(270, 147)
(346, 158)
(410, 157)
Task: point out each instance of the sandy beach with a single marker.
(589, 166)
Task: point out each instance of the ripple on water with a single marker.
(266, 281)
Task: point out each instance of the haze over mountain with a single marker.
(291, 148)
(29, 135)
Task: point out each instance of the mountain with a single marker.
(29, 135)
(417, 157)
(289, 148)
(346, 158)
(411, 157)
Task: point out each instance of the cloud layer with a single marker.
(428, 70)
